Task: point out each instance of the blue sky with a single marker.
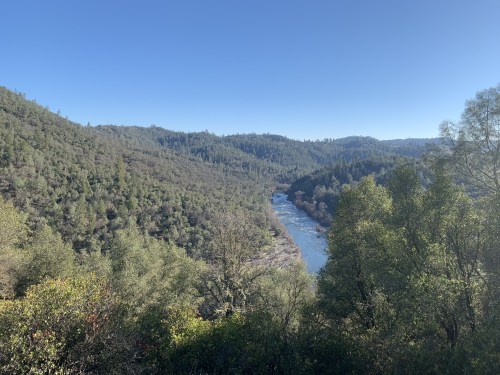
(305, 69)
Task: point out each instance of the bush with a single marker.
(62, 326)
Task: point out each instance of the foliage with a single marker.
(62, 326)
(232, 277)
(405, 275)
(29, 258)
(88, 183)
(283, 293)
(267, 155)
(475, 141)
(12, 233)
(353, 280)
(140, 250)
(45, 256)
(318, 193)
(13, 225)
(147, 272)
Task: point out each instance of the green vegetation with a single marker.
(133, 250)
(318, 193)
(405, 275)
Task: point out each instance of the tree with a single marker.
(476, 156)
(12, 225)
(120, 174)
(45, 256)
(149, 273)
(352, 283)
(405, 275)
(491, 256)
(13, 231)
(452, 278)
(284, 293)
(232, 277)
(407, 199)
(475, 141)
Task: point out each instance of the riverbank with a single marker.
(282, 253)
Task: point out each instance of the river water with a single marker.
(302, 229)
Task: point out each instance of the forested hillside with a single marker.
(116, 246)
(318, 193)
(270, 156)
(87, 184)
(129, 250)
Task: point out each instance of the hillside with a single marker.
(88, 183)
(128, 250)
(318, 193)
(266, 155)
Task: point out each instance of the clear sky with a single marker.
(305, 69)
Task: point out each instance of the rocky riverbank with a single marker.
(281, 254)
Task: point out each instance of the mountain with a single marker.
(266, 155)
(88, 182)
(129, 250)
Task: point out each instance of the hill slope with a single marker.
(89, 182)
(266, 155)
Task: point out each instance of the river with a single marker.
(302, 229)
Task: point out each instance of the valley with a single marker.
(127, 249)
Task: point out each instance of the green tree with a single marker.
(13, 231)
(453, 277)
(151, 273)
(45, 256)
(405, 274)
(284, 293)
(352, 283)
(120, 174)
(491, 255)
(407, 199)
(12, 225)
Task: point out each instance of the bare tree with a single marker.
(233, 276)
(476, 141)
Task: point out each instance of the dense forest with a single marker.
(135, 250)
(276, 157)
